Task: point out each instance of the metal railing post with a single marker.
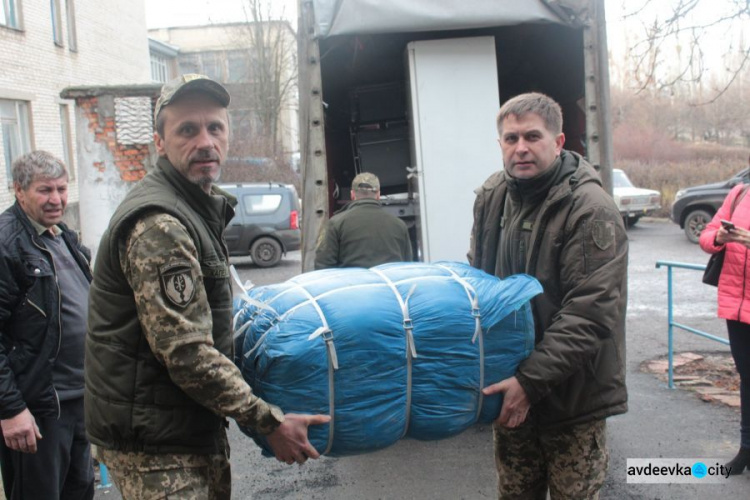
(670, 315)
(670, 335)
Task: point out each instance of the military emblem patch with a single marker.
(177, 283)
(603, 233)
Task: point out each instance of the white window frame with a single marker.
(22, 122)
(159, 68)
(57, 34)
(67, 140)
(70, 14)
(10, 14)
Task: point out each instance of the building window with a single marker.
(159, 71)
(189, 64)
(9, 14)
(56, 22)
(211, 67)
(67, 139)
(14, 123)
(70, 12)
(238, 67)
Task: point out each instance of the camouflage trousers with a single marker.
(570, 462)
(143, 476)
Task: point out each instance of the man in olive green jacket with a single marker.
(547, 215)
(363, 234)
(159, 377)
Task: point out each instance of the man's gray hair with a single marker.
(37, 163)
(539, 104)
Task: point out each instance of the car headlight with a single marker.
(679, 194)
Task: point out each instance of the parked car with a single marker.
(694, 207)
(633, 202)
(266, 222)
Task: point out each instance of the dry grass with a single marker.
(653, 161)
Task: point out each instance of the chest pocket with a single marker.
(215, 269)
(219, 291)
(216, 280)
(38, 277)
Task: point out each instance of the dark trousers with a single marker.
(739, 342)
(61, 467)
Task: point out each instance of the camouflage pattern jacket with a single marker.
(159, 375)
(30, 304)
(578, 250)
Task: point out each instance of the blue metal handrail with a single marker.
(670, 318)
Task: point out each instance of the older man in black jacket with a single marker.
(44, 284)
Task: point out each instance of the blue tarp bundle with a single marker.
(397, 350)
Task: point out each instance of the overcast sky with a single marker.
(165, 13)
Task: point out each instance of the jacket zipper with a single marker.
(59, 316)
(32, 304)
(535, 240)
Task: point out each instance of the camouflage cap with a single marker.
(366, 181)
(201, 83)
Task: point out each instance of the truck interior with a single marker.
(366, 96)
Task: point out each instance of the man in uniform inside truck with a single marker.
(159, 379)
(546, 214)
(363, 234)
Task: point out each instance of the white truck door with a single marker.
(453, 100)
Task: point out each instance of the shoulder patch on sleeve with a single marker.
(178, 283)
(603, 234)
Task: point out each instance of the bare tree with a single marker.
(264, 93)
(677, 35)
(267, 56)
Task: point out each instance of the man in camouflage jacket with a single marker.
(159, 375)
(547, 215)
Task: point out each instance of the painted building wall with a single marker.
(115, 142)
(112, 48)
(218, 43)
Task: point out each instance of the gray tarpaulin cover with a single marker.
(346, 17)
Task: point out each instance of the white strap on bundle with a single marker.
(333, 364)
(245, 297)
(472, 295)
(411, 348)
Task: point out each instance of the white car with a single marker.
(633, 202)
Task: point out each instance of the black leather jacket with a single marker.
(30, 304)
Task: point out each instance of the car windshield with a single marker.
(620, 180)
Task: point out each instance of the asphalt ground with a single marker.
(661, 422)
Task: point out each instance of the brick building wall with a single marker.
(115, 144)
(112, 48)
